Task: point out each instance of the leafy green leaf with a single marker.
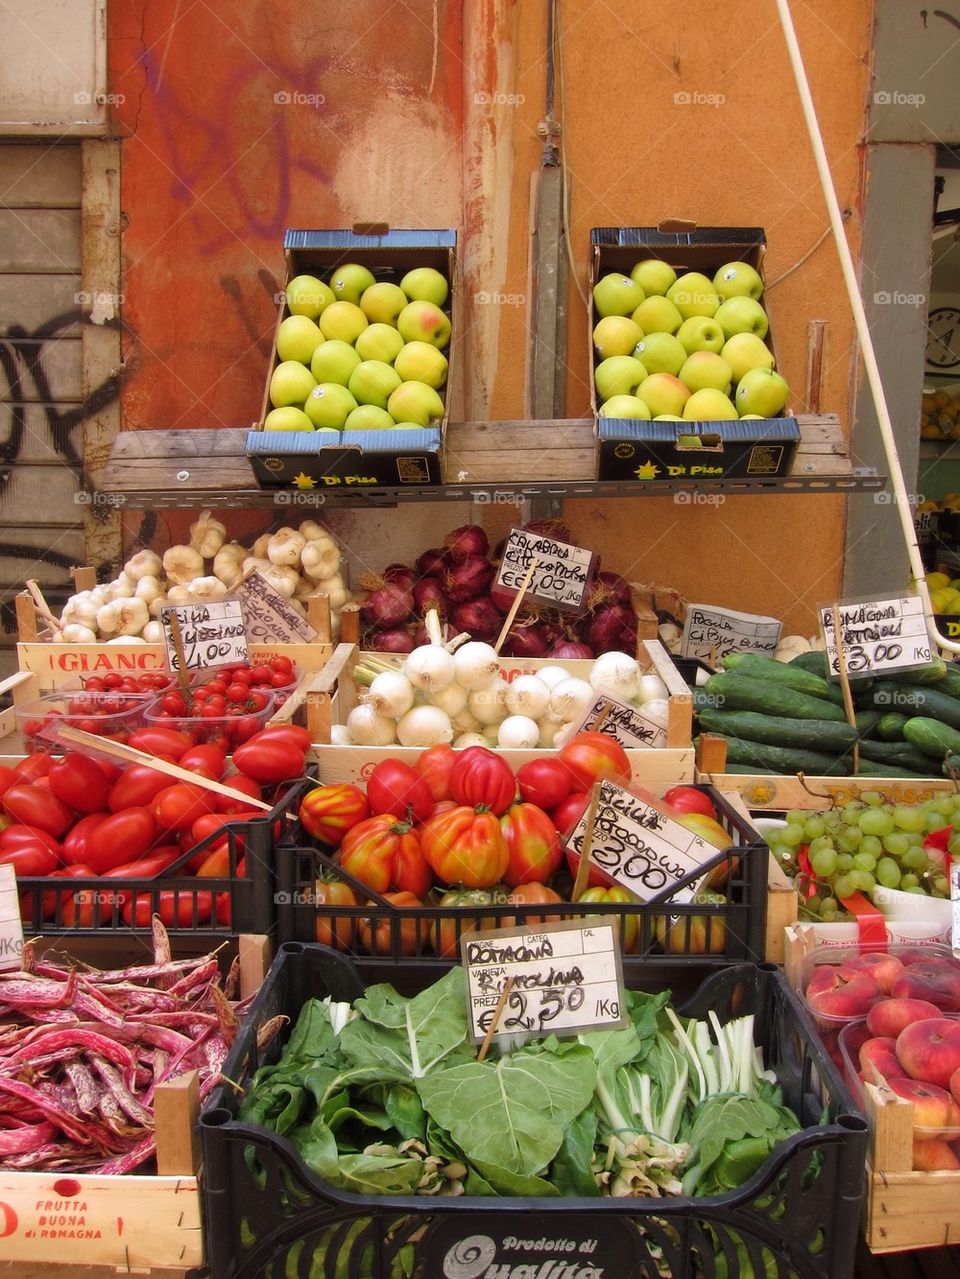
(504, 1182)
(512, 1112)
(402, 1103)
(570, 1171)
(380, 1174)
(406, 1038)
(730, 1136)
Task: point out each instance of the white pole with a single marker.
(863, 331)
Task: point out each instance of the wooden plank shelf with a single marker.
(555, 459)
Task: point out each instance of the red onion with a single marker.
(468, 580)
(550, 528)
(525, 639)
(395, 640)
(570, 648)
(610, 628)
(433, 562)
(400, 575)
(427, 594)
(610, 588)
(466, 541)
(502, 597)
(479, 617)
(389, 606)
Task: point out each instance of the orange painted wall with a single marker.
(425, 114)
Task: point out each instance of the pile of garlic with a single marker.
(450, 693)
(297, 562)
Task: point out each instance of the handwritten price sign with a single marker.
(627, 724)
(878, 635)
(720, 631)
(563, 573)
(11, 928)
(268, 617)
(211, 634)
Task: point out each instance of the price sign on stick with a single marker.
(877, 635)
(626, 723)
(268, 616)
(211, 634)
(712, 633)
(562, 575)
(640, 847)
(563, 977)
(11, 928)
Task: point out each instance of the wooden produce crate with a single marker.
(134, 1223)
(328, 697)
(903, 1209)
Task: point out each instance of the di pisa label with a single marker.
(562, 576)
(877, 635)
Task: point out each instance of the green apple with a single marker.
(693, 294)
(745, 351)
(705, 369)
(424, 284)
(630, 406)
(288, 418)
(424, 322)
(368, 418)
(342, 322)
(383, 302)
(762, 391)
(701, 333)
(334, 361)
(660, 353)
(663, 393)
(617, 294)
(373, 382)
(742, 315)
(421, 362)
(667, 417)
(737, 280)
(297, 338)
(349, 282)
(306, 295)
(618, 375)
(653, 276)
(708, 405)
(290, 383)
(415, 402)
(657, 315)
(616, 335)
(748, 417)
(329, 404)
(407, 426)
(378, 342)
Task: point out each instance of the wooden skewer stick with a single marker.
(583, 870)
(845, 685)
(524, 587)
(183, 679)
(492, 1028)
(41, 605)
(601, 717)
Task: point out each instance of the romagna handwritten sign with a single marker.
(622, 721)
(563, 570)
(640, 847)
(719, 631)
(566, 977)
(879, 635)
(267, 615)
(11, 928)
(212, 634)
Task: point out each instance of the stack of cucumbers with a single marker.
(787, 717)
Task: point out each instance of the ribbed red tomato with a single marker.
(465, 847)
(435, 765)
(370, 850)
(394, 787)
(480, 777)
(533, 843)
(328, 812)
(594, 757)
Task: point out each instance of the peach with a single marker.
(883, 968)
(933, 1155)
(935, 980)
(955, 1085)
(934, 1110)
(930, 1050)
(891, 1016)
(878, 1056)
(838, 993)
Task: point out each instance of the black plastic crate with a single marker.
(406, 935)
(268, 1215)
(89, 907)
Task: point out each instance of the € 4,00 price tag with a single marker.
(11, 927)
(564, 977)
(211, 634)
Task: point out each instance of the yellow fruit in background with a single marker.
(941, 599)
(937, 581)
(929, 432)
(941, 399)
(929, 506)
(926, 402)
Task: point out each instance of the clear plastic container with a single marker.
(114, 715)
(226, 731)
(840, 985)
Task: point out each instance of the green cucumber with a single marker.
(931, 737)
(732, 692)
(899, 753)
(930, 674)
(781, 759)
(758, 667)
(873, 768)
(806, 734)
(867, 721)
(912, 700)
(950, 684)
(816, 662)
(890, 727)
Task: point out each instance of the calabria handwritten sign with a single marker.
(566, 976)
(212, 634)
(640, 847)
(719, 631)
(562, 575)
(878, 635)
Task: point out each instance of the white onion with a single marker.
(451, 699)
(618, 673)
(570, 698)
(489, 705)
(552, 675)
(529, 696)
(424, 726)
(430, 668)
(390, 694)
(518, 733)
(367, 728)
(651, 688)
(548, 732)
(476, 664)
(658, 710)
(565, 732)
(670, 636)
(470, 739)
(465, 722)
(340, 735)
